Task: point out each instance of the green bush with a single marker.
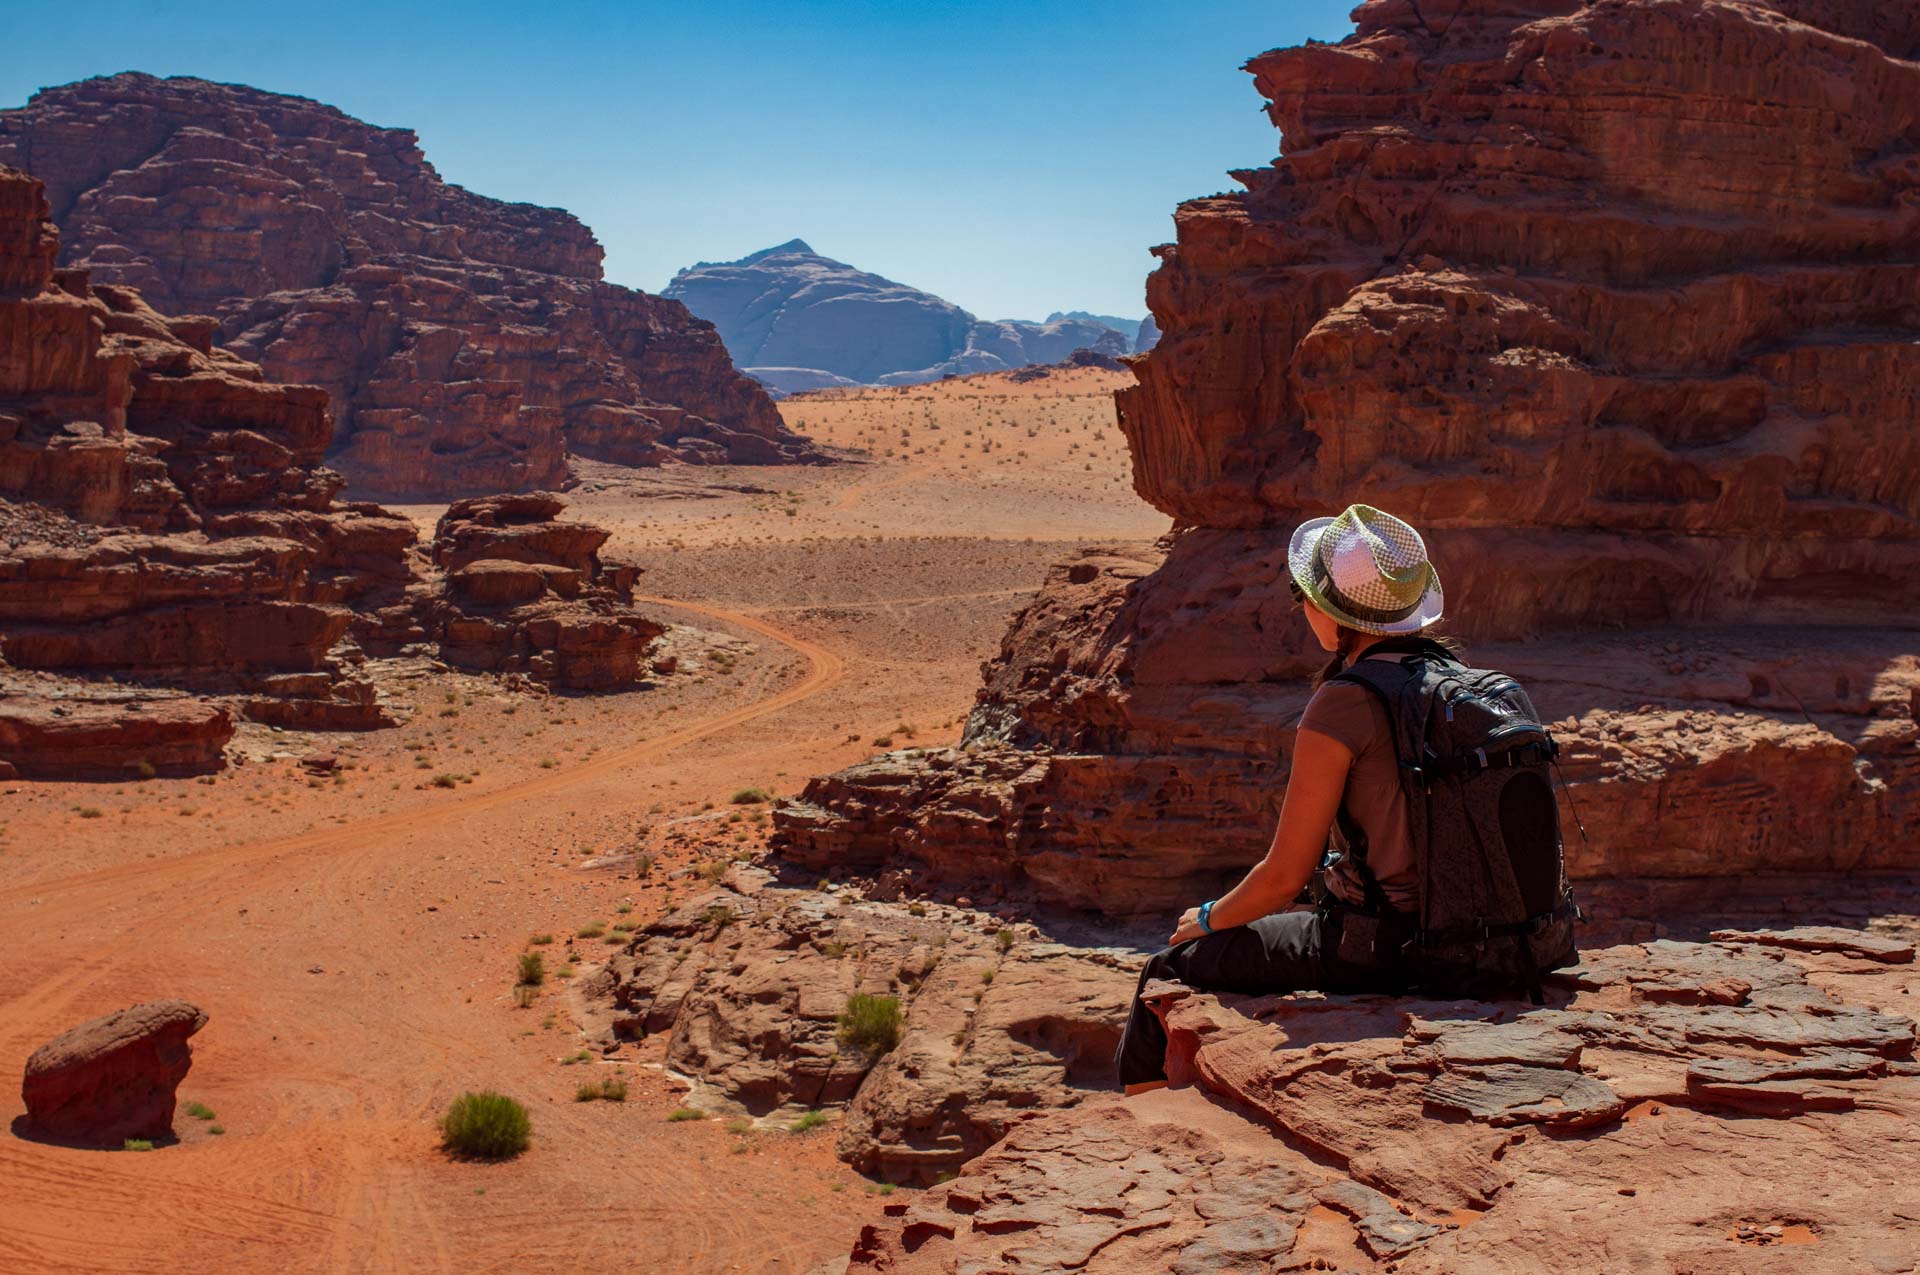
(199, 1110)
(612, 1089)
(485, 1126)
(751, 796)
(137, 1144)
(1003, 939)
(533, 969)
(685, 1113)
(591, 930)
(811, 1120)
(871, 1024)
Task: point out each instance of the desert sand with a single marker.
(351, 927)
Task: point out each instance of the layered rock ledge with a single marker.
(1662, 1112)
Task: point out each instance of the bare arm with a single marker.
(1314, 788)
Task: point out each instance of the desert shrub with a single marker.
(89, 812)
(1003, 939)
(485, 1126)
(524, 995)
(719, 916)
(714, 869)
(642, 865)
(540, 940)
(685, 1113)
(533, 969)
(751, 796)
(216, 1130)
(883, 741)
(611, 1089)
(739, 1124)
(137, 1144)
(591, 930)
(986, 976)
(916, 909)
(871, 1024)
(834, 947)
(811, 1120)
(199, 1110)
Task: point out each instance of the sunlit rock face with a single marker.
(1617, 303)
(468, 345)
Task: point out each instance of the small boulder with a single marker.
(113, 1078)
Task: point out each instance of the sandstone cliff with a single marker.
(167, 526)
(1659, 430)
(468, 345)
(1660, 426)
(795, 318)
(167, 518)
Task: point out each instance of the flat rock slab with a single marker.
(1505, 1094)
(113, 1078)
(1826, 938)
(1605, 1132)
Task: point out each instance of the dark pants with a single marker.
(1282, 952)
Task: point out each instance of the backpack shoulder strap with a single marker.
(1401, 687)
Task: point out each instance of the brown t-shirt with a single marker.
(1373, 799)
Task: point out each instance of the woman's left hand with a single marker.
(1188, 928)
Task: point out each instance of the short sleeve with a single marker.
(1342, 711)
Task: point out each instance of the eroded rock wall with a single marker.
(1659, 431)
(167, 518)
(467, 344)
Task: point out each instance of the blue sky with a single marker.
(1012, 157)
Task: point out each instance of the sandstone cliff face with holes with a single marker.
(467, 344)
(1658, 431)
(1660, 1114)
(167, 519)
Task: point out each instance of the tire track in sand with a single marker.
(361, 1205)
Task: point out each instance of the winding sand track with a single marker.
(343, 1017)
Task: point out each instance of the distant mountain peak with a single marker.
(779, 250)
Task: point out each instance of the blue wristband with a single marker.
(1206, 911)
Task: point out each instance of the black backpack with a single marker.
(1495, 908)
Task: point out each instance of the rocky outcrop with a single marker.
(113, 1078)
(467, 345)
(750, 982)
(524, 591)
(167, 517)
(110, 734)
(1364, 1134)
(1657, 431)
(798, 320)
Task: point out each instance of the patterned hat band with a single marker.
(1323, 580)
(1360, 566)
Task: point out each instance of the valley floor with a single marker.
(352, 929)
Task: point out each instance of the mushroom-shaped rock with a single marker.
(113, 1078)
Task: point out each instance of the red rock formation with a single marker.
(525, 591)
(173, 520)
(113, 1078)
(467, 344)
(749, 984)
(110, 736)
(1456, 1137)
(1658, 429)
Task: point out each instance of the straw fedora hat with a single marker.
(1366, 569)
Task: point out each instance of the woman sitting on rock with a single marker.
(1366, 586)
